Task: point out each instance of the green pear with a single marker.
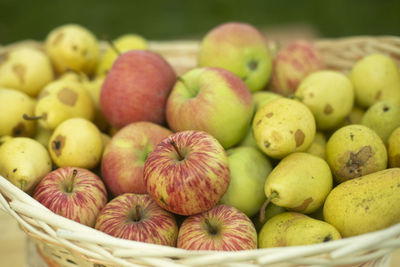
(318, 146)
(283, 126)
(329, 95)
(61, 100)
(300, 182)
(72, 47)
(26, 69)
(295, 229)
(355, 150)
(24, 162)
(249, 168)
(76, 142)
(122, 44)
(382, 117)
(13, 105)
(375, 78)
(393, 148)
(365, 204)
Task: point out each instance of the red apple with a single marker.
(187, 173)
(124, 156)
(136, 88)
(221, 228)
(138, 217)
(292, 63)
(75, 193)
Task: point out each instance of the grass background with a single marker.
(174, 19)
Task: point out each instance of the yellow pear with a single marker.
(295, 229)
(365, 204)
(76, 142)
(72, 47)
(13, 105)
(26, 69)
(393, 148)
(24, 162)
(61, 100)
(283, 126)
(300, 182)
(318, 146)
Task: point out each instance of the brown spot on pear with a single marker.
(20, 71)
(328, 109)
(3, 58)
(299, 137)
(67, 96)
(57, 145)
(19, 130)
(58, 38)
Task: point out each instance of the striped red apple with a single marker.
(75, 193)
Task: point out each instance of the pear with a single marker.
(72, 47)
(375, 78)
(25, 69)
(318, 146)
(393, 148)
(300, 182)
(42, 135)
(76, 142)
(355, 150)
(295, 229)
(24, 162)
(13, 105)
(382, 117)
(283, 126)
(70, 75)
(122, 44)
(365, 204)
(61, 100)
(265, 214)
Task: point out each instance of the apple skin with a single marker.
(82, 204)
(155, 225)
(292, 63)
(124, 156)
(191, 185)
(234, 230)
(136, 88)
(240, 48)
(213, 100)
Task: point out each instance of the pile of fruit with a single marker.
(252, 148)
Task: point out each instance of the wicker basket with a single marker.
(63, 242)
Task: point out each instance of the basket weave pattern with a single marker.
(63, 242)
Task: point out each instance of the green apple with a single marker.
(239, 48)
(249, 168)
(122, 44)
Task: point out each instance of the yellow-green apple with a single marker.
(249, 168)
(213, 100)
(124, 156)
(292, 63)
(240, 48)
(137, 217)
(221, 228)
(75, 193)
(187, 172)
(136, 88)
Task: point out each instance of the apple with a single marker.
(136, 89)
(125, 155)
(75, 193)
(249, 169)
(137, 217)
(240, 48)
(292, 64)
(187, 173)
(221, 228)
(213, 100)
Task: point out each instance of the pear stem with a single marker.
(112, 45)
(74, 173)
(186, 85)
(23, 184)
(180, 157)
(33, 118)
(137, 215)
(274, 194)
(210, 228)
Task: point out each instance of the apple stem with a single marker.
(274, 194)
(180, 157)
(112, 45)
(33, 118)
(186, 85)
(137, 215)
(23, 184)
(74, 173)
(210, 228)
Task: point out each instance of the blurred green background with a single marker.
(177, 19)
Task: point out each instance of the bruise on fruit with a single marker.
(352, 136)
(269, 115)
(328, 109)
(327, 238)
(252, 65)
(43, 94)
(67, 96)
(353, 163)
(58, 38)
(267, 144)
(3, 58)
(378, 95)
(20, 71)
(58, 144)
(14, 170)
(258, 122)
(75, 48)
(19, 130)
(386, 109)
(311, 94)
(299, 137)
(303, 206)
